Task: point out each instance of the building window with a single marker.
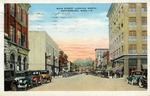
(144, 21)
(19, 37)
(132, 35)
(12, 7)
(12, 33)
(23, 38)
(132, 49)
(19, 63)
(132, 21)
(19, 13)
(144, 48)
(144, 35)
(132, 7)
(12, 62)
(24, 19)
(144, 7)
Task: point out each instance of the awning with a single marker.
(120, 68)
(144, 66)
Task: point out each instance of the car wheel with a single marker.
(132, 82)
(140, 84)
(14, 87)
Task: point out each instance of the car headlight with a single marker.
(20, 81)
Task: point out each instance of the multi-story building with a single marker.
(16, 36)
(128, 35)
(44, 52)
(106, 58)
(99, 56)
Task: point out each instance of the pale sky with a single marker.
(78, 32)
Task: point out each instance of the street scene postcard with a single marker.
(75, 47)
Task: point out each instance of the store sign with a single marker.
(22, 51)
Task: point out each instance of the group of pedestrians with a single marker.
(116, 74)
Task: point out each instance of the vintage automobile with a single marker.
(143, 79)
(10, 83)
(36, 77)
(47, 76)
(24, 80)
(134, 77)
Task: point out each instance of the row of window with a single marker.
(132, 7)
(19, 65)
(21, 17)
(132, 35)
(132, 50)
(21, 38)
(132, 21)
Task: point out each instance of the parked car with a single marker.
(134, 77)
(36, 77)
(10, 83)
(47, 76)
(24, 80)
(143, 81)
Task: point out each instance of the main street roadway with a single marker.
(84, 82)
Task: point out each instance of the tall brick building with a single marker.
(128, 36)
(16, 36)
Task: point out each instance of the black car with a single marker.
(10, 83)
(143, 80)
(24, 80)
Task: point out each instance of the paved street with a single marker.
(84, 82)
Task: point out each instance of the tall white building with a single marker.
(99, 56)
(43, 53)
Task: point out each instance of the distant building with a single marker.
(128, 36)
(43, 52)
(16, 36)
(105, 58)
(99, 56)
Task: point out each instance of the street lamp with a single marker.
(46, 57)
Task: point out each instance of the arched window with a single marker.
(19, 63)
(25, 63)
(12, 62)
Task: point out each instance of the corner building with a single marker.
(16, 36)
(128, 36)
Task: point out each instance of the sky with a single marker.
(78, 28)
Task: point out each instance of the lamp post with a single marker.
(46, 57)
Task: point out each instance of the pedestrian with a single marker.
(113, 74)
